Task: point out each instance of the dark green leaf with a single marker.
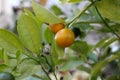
(81, 47)
(114, 77)
(29, 33)
(75, 1)
(83, 26)
(93, 57)
(84, 68)
(3, 67)
(56, 10)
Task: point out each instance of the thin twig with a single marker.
(77, 16)
(105, 21)
(44, 71)
(51, 67)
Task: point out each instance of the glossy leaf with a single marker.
(29, 33)
(44, 15)
(10, 42)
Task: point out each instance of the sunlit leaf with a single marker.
(29, 33)
(10, 42)
(105, 42)
(44, 15)
(110, 9)
(49, 36)
(70, 1)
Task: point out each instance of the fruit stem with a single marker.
(106, 24)
(77, 16)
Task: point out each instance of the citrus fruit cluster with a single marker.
(64, 37)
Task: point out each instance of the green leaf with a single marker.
(83, 26)
(75, 1)
(10, 42)
(54, 54)
(56, 10)
(71, 64)
(29, 33)
(81, 47)
(105, 42)
(3, 67)
(3, 57)
(49, 36)
(30, 14)
(70, 1)
(110, 9)
(93, 57)
(59, 51)
(97, 68)
(44, 15)
(26, 69)
(1, 53)
(84, 68)
(114, 77)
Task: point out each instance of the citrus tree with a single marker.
(51, 48)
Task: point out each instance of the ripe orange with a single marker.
(56, 27)
(64, 37)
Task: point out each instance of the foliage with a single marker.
(34, 54)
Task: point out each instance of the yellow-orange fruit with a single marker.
(64, 37)
(56, 27)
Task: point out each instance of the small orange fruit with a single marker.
(56, 27)
(65, 37)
